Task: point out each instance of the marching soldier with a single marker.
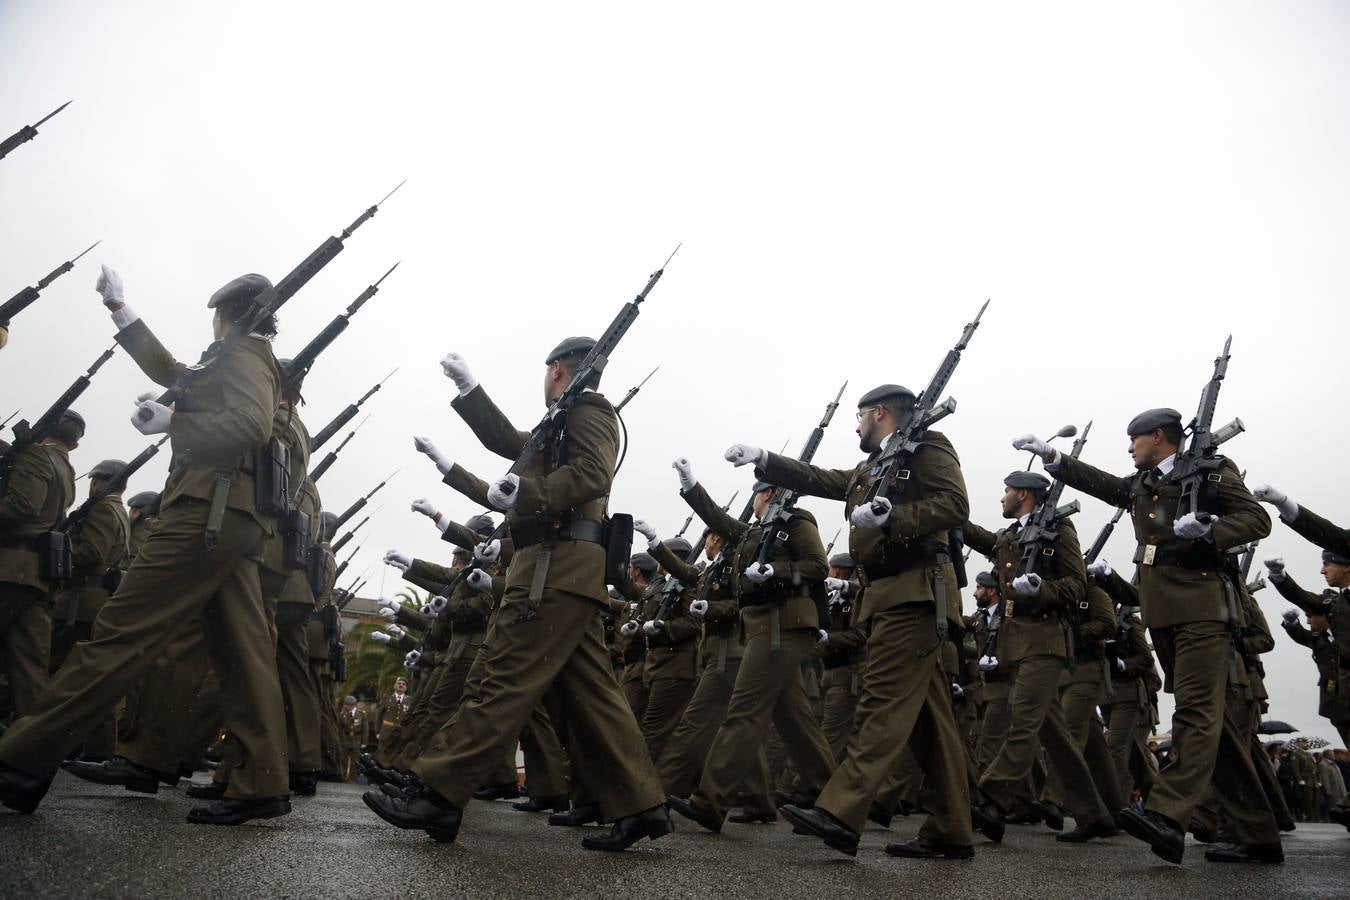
(198, 562)
(548, 627)
(1190, 606)
(638, 589)
(1032, 641)
(37, 493)
(904, 561)
(353, 721)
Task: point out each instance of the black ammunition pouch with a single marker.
(111, 580)
(319, 568)
(956, 548)
(54, 556)
(337, 658)
(296, 540)
(617, 539)
(272, 479)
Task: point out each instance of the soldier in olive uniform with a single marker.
(142, 514)
(98, 552)
(1317, 638)
(781, 627)
(1189, 604)
(900, 546)
(36, 495)
(548, 628)
(1032, 641)
(200, 561)
(638, 590)
(353, 721)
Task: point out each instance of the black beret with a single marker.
(1028, 481)
(885, 392)
(643, 562)
(984, 579)
(145, 500)
(74, 417)
(678, 545)
(760, 486)
(245, 287)
(841, 561)
(1329, 556)
(570, 347)
(481, 525)
(1151, 419)
(107, 468)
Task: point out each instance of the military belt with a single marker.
(237, 461)
(1155, 555)
(891, 566)
(527, 534)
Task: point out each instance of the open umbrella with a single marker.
(1275, 726)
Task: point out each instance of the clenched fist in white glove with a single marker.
(872, 515)
(757, 573)
(837, 585)
(652, 627)
(411, 658)
(479, 580)
(438, 604)
(988, 663)
(1290, 616)
(487, 551)
(401, 561)
(388, 613)
(424, 445)
(1099, 568)
(1033, 444)
(644, 528)
(426, 609)
(1120, 666)
(457, 370)
(1276, 567)
(380, 637)
(745, 455)
(158, 420)
(1189, 527)
(686, 473)
(698, 609)
(629, 628)
(957, 691)
(395, 630)
(1028, 585)
(1277, 498)
(109, 286)
(505, 492)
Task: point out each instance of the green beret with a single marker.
(1027, 481)
(147, 500)
(885, 392)
(760, 486)
(73, 416)
(245, 287)
(481, 525)
(107, 468)
(1150, 420)
(984, 579)
(679, 546)
(570, 347)
(643, 562)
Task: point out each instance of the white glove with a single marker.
(629, 628)
(1027, 585)
(652, 627)
(644, 528)
(424, 445)
(686, 473)
(1191, 528)
(504, 493)
(988, 663)
(109, 286)
(380, 637)
(1120, 666)
(401, 561)
(1034, 444)
(1099, 568)
(457, 370)
(872, 515)
(698, 609)
(837, 585)
(488, 551)
(438, 604)
(743, 455)
(426, 609)
(158, 423)
(423, 505)
(1290, 616)
(824, 637)
(388, 613)
(957, 691)
(479, 580)
(757, 573)
(395, 630)
(410, 660)
(1278, 499)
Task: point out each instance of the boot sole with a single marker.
(270, 811)
(1136, 829)
(849, 849)
(439, 835)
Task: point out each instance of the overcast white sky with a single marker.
(1128, 184)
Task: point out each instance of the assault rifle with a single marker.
(303, 361)
(671, 590)
(116, 483)
(1197, 466)
(264, 305)
(26, 133)
(345, 416)
(361, 502)
(25, 298)
(332, 456)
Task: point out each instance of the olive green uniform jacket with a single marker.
(40, 489)
(97, 543)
